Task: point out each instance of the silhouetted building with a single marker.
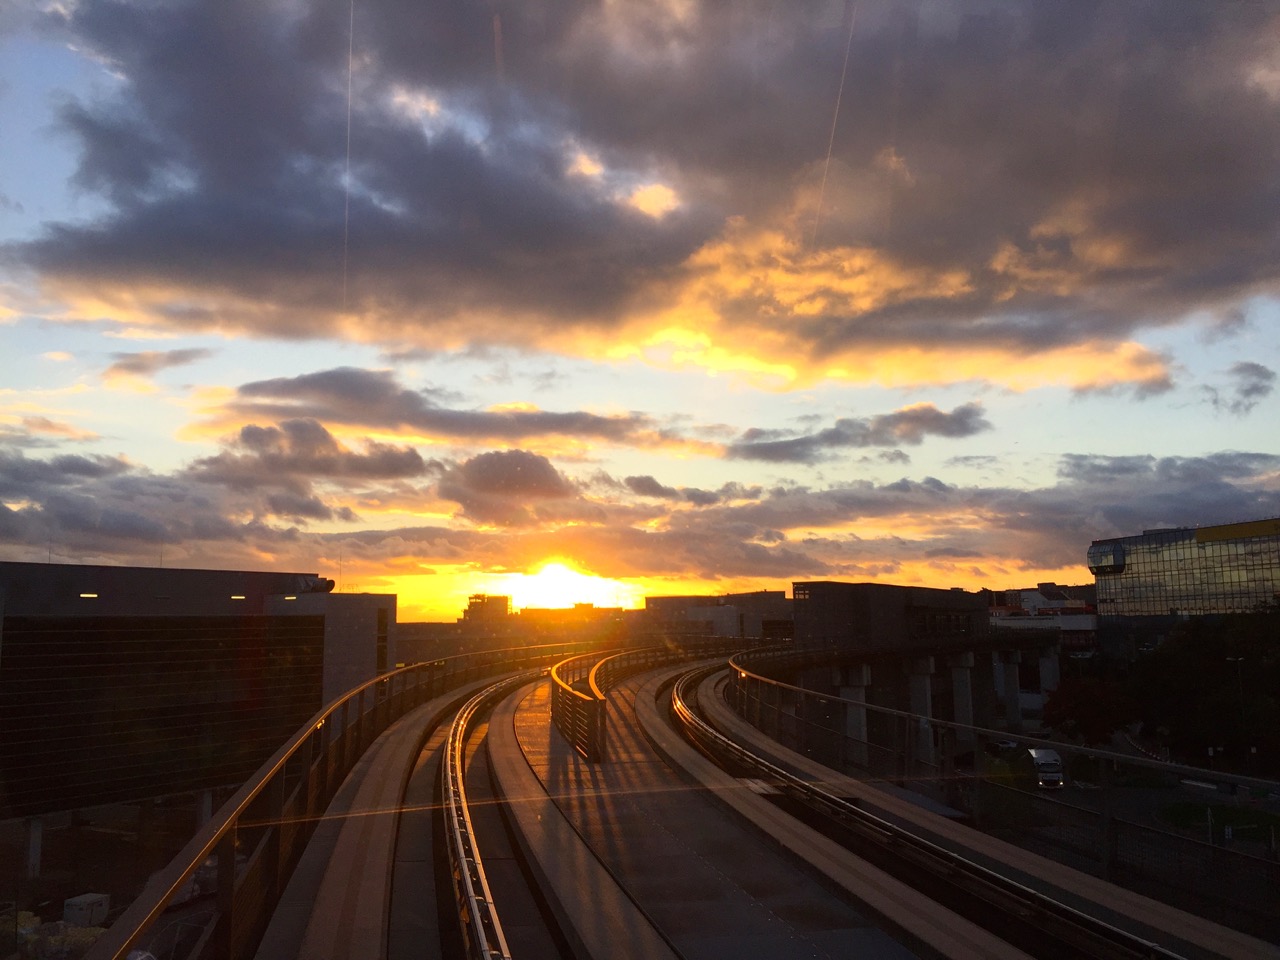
(483, 608)
(121, 683)
(1148, 582)
(761, 615)
(878, 617)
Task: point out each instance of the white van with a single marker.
(1048, 766)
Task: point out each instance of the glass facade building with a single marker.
(1147, 582)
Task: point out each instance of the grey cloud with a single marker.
(648, 487)
(500, 487)
(1253, 383)
(1026, 140)
(150, 362)
(1209, 470)
(375, 398)
(21, 476)
(299, 451)
(909, 425)
(1101, 469)
(99, 509)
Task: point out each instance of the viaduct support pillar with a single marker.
(1050, 671)
(962, 698)
(854, 683)
(1009, 660)
(922, 706)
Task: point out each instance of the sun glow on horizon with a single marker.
(557, 585)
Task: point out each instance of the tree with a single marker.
(1088, 708)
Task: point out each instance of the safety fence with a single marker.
(1109, 822)
(580, 685)
(256, 838)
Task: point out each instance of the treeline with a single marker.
(1211, 684)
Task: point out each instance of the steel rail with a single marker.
(284, 800)
(1083, 931)
(579, 715)
(478, 916)
(745, 665)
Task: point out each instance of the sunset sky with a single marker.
(686, 297)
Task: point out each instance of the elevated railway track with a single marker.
(677, 833)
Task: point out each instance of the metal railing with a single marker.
(478, 919)
(578, 705)
(1089, 933)
(1091, 829)
(580, 685)
(257, 837)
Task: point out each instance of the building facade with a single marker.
(123, 683)
(1148, 582)
(759, 615)
(868, 618)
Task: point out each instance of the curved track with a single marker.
(686, 843)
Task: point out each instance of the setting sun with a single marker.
(557, 585)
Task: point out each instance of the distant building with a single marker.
(1070, 612)
(1147, 583)
(484, 608)
(759, 615)
(862, 618)
(122, 683)
(1045, 597)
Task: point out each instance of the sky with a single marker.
(652, 296)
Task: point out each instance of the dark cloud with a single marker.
(500, 487)
(150, 362)
(524, 509)
(909, 425)
(1012, 176)
(647, 486)
(374, 398)
(1093, 468)
(21, 476)
(280, 467)
(300, 451)
(1252, 383)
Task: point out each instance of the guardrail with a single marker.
(481, 929)
(257, 837)
(1092, 827)
(576, 712)
(1086, 932)
(579, 686)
